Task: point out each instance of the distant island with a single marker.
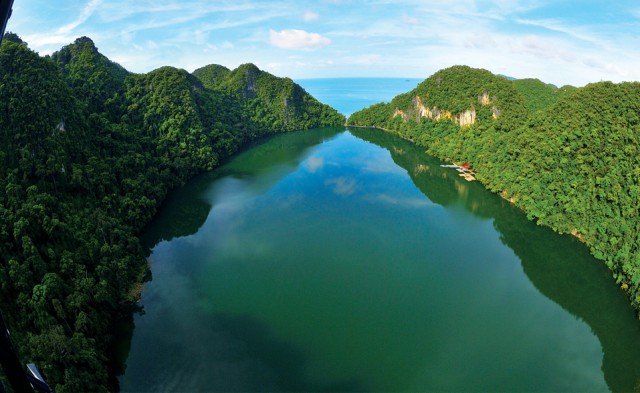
(89, 152)
(566, 156)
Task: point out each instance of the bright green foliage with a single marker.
(87, 153)
(539, 95)
(449, 93)
(569, 159)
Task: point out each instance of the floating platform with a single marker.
(466, 173)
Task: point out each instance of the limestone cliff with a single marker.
(465, 118)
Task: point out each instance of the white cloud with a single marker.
(606, 68)
(342, 186)
(315, 163)
(377, 167)
(310, 16)
(202, 37)
(407, 202)
(48, 42)
(297, 39)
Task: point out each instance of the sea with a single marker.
(349, 95)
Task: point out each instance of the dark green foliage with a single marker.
(166, 104)
(88, 152)
(266, 102)
(579, 173)
(96, 79)
(569, 159)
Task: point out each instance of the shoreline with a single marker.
(623, 285)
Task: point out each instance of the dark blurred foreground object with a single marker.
(18, 377)
(5, 13)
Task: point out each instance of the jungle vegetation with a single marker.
(567, 156)
(88, 151)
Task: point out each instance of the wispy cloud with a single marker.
(114, 11)
(86, 13)
(229, 23)
(368, 59)
(310, 16)
(297, 39)
(559, 27)
(569, 43)
(411, 20)
(543, 48)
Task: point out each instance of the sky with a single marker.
(557, 41)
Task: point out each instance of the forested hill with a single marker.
(87, 153)
(568, 157)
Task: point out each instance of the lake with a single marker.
(348, 260)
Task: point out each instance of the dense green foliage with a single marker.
(568, 157)
(88, 152)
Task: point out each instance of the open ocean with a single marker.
(349, 95)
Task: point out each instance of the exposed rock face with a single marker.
(399, 112)
(484, 99)
(464, 119)
(250, 91)
(286, 111)
(467, 118)
(432, 113)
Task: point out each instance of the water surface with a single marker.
(335, 260)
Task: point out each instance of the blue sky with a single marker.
(560, 41)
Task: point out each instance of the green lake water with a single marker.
(348, 260)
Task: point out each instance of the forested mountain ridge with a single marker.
(88, 152)
(568, 157)
(267, 101)
(93, 77)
